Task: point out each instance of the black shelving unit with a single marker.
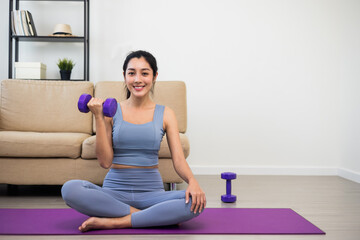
(14, 40)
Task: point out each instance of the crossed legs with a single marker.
(107, 211)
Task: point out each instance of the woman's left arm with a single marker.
(181, 166)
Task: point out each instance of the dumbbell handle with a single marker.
(109, 106)
(228, 187)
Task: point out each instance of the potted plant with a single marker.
(65, 65)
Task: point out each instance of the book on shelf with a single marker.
(12, 23)
(22, 23)
(31, 23)
(17, 23)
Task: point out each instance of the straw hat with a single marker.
(62, 30)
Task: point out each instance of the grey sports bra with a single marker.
(137, 144)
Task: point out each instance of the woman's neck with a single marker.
(139, 102)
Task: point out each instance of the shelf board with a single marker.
(52, 0)
(73, 80)
(48, 39)
(53, 79)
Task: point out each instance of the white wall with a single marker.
(272, 85)
(4, 35)
(349, 74)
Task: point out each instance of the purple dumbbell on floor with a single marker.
(228, 198)
(109, 106)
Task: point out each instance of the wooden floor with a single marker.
(331, 203)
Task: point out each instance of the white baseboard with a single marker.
(350, 175)
(265, 170)
(294, 171)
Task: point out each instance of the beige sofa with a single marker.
(45, 140)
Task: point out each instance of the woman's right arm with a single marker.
(104, 148)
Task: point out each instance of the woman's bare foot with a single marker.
(105, 223)
(95, 223)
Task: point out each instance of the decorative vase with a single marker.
(65, 75)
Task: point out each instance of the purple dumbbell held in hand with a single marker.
(228, 198)
(109, 106)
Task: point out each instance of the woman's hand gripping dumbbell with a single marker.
(109, 107)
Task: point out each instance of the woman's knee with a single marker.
(70, 189)
(190, 214)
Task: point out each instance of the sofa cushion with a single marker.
(35, 144)
(43, 106)
(168, 93)
(89, 146)
(165, 151)
(37, 171)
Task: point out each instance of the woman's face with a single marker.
(139, 77)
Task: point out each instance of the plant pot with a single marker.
(65, 75)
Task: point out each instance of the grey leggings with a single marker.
(140, 188)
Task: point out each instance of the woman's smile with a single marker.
(139, 88)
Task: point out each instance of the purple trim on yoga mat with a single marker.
(211, 221)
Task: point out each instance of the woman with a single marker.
(133, 193)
